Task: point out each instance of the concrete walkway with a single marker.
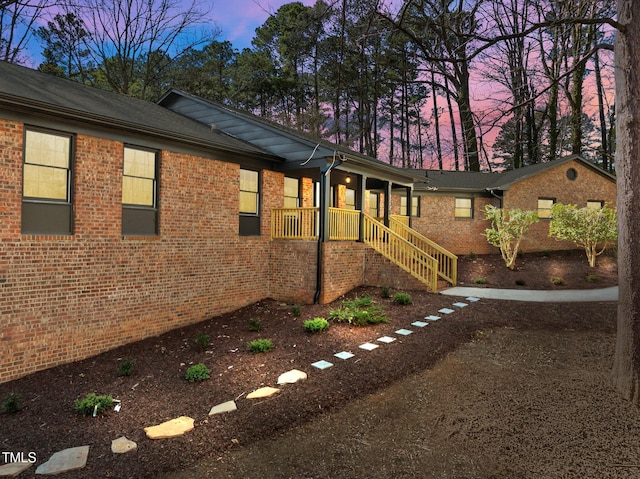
(574, 295)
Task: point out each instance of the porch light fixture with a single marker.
(348, 179)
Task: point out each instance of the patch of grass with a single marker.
(592, 278)
(197, 372)
(359, 312)
(203, 341)
(254, 324)
(296, 309)
(520, 282)
(93, 404)
(126, 367)
(11, 403)
(385, 292)
(556, 281)
(316, 325)
(402, 298)
(260, 346)
(480, 280)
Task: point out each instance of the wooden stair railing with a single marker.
(401, 252)
(447, 261)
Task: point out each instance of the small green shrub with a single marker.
(402, 298)
(473, 256)
(254, 324)
(203, 341)
(260, 346)
(592, 278)
(480, 280)
(556, 281)
(316, 325)
(520, 282)
(197, 372)
(296, 309)
(546, 253)
(386, 292)
(126, 367)
(92, 404)
(359, 312)
(11, 403)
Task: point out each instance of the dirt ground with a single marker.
(499, 389)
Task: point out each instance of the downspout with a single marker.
(322, 226)
(492, 192)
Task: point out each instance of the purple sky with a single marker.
(239, 19)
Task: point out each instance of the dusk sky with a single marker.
(239, 19)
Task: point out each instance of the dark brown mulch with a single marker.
(157, 390)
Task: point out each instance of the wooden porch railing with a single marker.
(401, 252)
(344, 225)
(294, 223)
(447, 261)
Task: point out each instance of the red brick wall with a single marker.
(553, 183)
(293, 271)
(63, 298)
(379, 271)
(458, 235)
(342, 268)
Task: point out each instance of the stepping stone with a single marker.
(173, 428)
(368, 346)
(66, 460)
(404, 332)
(266, 392)
(14, 468)
(344, 355)
(386, 339)
(122, 445)
(292, 377)
(223, 407)
(322, 364)
(473, 299)
(432, 318)
(446, 311)
(419, 324)
(460, 305)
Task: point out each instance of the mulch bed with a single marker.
(157, 390)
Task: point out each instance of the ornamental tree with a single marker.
(507, 231)
(589, 228)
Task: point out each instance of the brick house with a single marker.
(449, 205)
(123, 219)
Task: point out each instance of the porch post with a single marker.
(387, 202)
(409, 202)
(363, 196)
(325, 192)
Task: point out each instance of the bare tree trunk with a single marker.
(603, 123)
(626, 368)
(436, 120)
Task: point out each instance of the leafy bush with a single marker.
(359, 312)
(126, 367)
(592, 278)
(197, 372)
(254, 324)
(386, 292)
(260, 346)
(202, 341)
(520, 282)
(473, 256)
(296, 310)
(92, 404)
(316, 325)
(480, 280)
(506, 232)
(402, 298)
(11, 403)
(556, 281)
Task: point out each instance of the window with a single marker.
(139, 192)
(46, 184)
(415, 209)
(374, 205)
(291, 192)
(595, 204)
(350, 199)
(249, 203)
(464, 208)
(544, 208)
